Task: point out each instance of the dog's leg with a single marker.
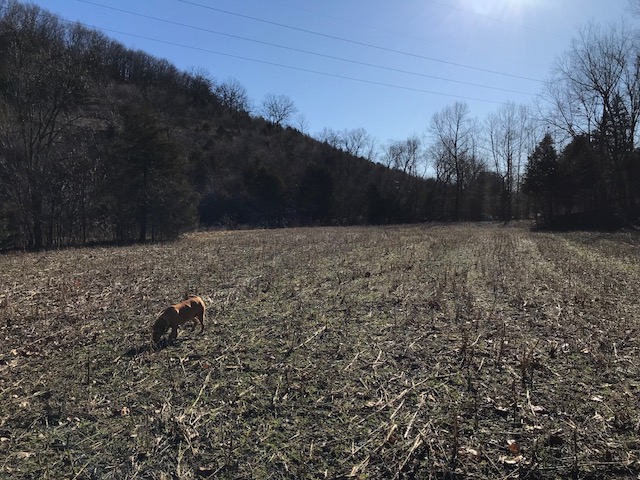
(174, 334)
(199, 316)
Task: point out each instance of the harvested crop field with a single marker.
(431, 352)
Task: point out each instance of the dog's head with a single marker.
(159, 328)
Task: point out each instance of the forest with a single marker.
(100, 143)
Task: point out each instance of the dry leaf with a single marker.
(24, 455)
(470, 452)
(513, 446)
(510, 461)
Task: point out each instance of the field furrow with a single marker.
(445, 351)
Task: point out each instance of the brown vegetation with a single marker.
(461, 351)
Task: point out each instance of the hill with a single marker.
(100, 143)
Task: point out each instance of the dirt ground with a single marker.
(430, 352)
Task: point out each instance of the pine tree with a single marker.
(149, 180)
(541, 178)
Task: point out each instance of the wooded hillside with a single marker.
(99, 143)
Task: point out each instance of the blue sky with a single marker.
(381, 65)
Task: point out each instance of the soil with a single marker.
(430, 352)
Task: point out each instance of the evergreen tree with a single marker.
(148, 180)
(580, 170)
(541, 178)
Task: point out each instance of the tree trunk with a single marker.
(36, 213)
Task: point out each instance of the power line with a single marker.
(356, 42)
(413, 37)
(289, 67)
(299, 50)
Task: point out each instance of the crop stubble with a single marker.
(459, 351)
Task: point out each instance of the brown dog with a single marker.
(190, 309)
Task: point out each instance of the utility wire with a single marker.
(280, 65)
(332, 57)
(355, 42)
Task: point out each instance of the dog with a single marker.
(190, 309)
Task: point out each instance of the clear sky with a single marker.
(386, 66)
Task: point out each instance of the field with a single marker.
(430, 352)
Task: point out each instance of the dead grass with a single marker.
(413, 352)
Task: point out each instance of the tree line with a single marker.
(569, 160)
(591, 179)
(101, 143)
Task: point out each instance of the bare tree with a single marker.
(403, 155)
(454, 150)
(391, 154)
(278, 109)
(330, 137)
(301, 123)
(599, 66)
(200, 85)
(233, 95)
(44, 84)
(356, 142)
(508, 129)
(595, 92)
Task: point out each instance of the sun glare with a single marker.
(493, 8)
